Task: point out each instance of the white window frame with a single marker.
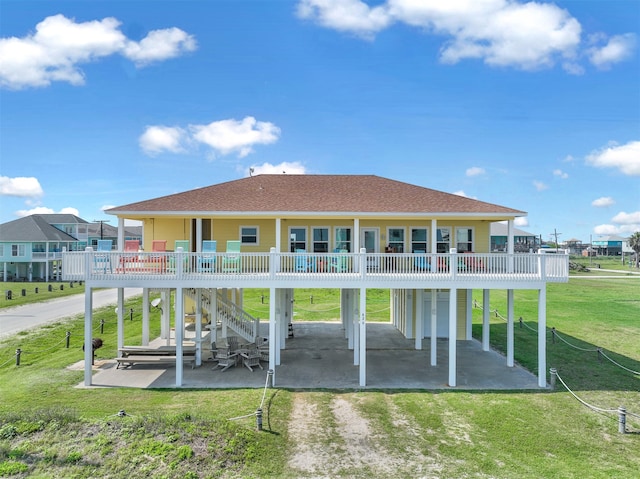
(297, 241)
(337, 242)
(404, 238)
(19, 249)
(426, 241)
(313, 241)
(242, 235)
(1, 250)
(439, 243)
(470, 244)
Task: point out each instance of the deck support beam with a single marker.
(88, 332)
(542, 337)
(363, 337)
(453, 336)
(485, 319)
(510, 329)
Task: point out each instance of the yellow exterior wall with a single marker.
(224, 229)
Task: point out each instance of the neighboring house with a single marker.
(320, 231)
(31, 247)
(611, 246)
(102, 230)
(523, 242)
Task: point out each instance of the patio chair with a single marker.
(207, 260)
(340, 262)
(231, 260)
(103, 261)
(421, 262)
(184, 244)
(158, 262)
(226, 358)
(251, 357)
(302, 261)
(130, 255)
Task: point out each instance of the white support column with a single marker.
(88, 333)
(453, 336)
(179, 317)
(510, 246)
(278, 235)
(120, 245)
(510, 331)
(120, 296)
(145, 316)
(357, 332)
(542, 337)
(198, 328)
(469, 315)
(198, 235)
(279, 317)
(434, 327)
(433, 244)
(485, 319)
(363, 337)
(407, 310)
(213, 318)
(165, 326)
(272, 333)
(225, 295)
(419, 319)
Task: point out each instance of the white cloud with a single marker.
(539, 185)
(228, 136)
(24, 187)
(289, 168)
(603, 202)
(618, 48)
(43, 210)
(346, 15)
(626, 158)
(624, 224)
(60, 45)
(560, 174)
(521, 221)
(157, 139)
(526, 35)
(462, 193)
(475, 171)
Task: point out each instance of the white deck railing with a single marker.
(368, 267)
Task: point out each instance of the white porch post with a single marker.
(120, 245)
(278, 235)
(145, 316)
(408, 312)
(165, 325)
(198, 235)
(419, 319)
(510, 331)
(434, 327)
(120, 318)
(357, 331)
(453, 336)
(469, 314)
(198, 326)
(510, 245)
(179, 318)
(542, 337)
(279, 314)
(433, 246)
(213, 318)
(485, 319)
(272, 333)
(363, 337)
(88, 331)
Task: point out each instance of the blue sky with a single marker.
(530, 105)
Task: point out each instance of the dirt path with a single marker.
(334, 440)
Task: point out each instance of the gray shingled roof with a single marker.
(335, 194)
(36, 228)
(500, 229)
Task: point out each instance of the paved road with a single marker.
(20, 318)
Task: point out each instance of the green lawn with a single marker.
(36, 291)
(50, 428)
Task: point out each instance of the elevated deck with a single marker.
(315, 270)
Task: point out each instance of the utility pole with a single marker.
(102, 222)
(556, 234)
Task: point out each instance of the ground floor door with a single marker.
(442, 315)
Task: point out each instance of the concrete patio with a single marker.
(317, 357)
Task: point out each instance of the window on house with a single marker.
(396, 239)
(443, 242)
(17, 250)
(464, 240)
(419, 240)
(249, 235)
(297, 238)
(343, 239)
(1, 250)
(321, 240)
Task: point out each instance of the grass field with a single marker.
(50, 429)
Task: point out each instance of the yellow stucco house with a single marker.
(352, 232)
